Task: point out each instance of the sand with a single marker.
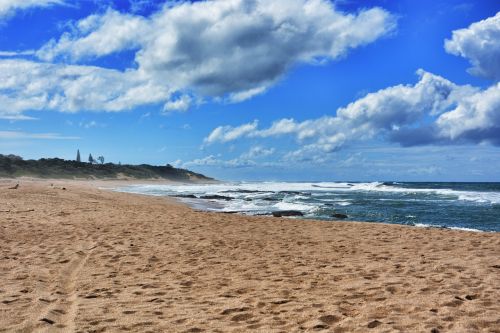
(77, 259)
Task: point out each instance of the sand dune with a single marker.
(77, 259)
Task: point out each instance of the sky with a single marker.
(255, 89)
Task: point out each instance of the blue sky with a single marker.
(257, 90)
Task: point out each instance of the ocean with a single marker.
(465, 206)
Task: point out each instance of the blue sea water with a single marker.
(467, 206)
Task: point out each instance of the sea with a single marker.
(463, 206)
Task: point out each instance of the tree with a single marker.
(78, 159)
(101, 159)
(91, 159)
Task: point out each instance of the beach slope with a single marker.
(74, 258)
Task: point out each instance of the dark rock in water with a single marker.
(187, 196)
(216, 197)
(287, 213)
(291, 192)
(339, 216)
(242, 191)
(269, 199)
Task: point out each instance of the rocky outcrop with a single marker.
(284, 213)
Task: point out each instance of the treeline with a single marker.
(12, 166)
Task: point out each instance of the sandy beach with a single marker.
(74, 258)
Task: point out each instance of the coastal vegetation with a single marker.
(15, 166)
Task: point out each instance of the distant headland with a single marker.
(13, 166)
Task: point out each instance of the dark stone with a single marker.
(216, 197)
(434, 330)
(329, 319)
(373, 324)
(339, 216)
(187, 196)
(320, 327)
(470, 297)
(232, 310)
(48, 321)
(281, 301)
(290, 192)
(242, 191)
(287, 213)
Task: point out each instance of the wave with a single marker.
(423, 225)
(402, 203)
(265, 189)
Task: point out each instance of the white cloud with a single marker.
(180, 104)
(91, 124)
(212, 160)
(434, 110)
(97, 36)
(228, 133)
(476, 118)
(16, 53)
(228, 50)
(9, 7)
(16, 135)
(480, 44)
(257, 152)
(246, 159)
(28, 85)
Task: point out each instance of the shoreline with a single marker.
(83, 259)
(198, 202)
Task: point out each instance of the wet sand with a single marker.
(80, 259)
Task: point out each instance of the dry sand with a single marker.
(85, 260)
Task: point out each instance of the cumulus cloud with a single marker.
(434, 110)
(96, 36)
(9, 7)
(246, 159)
(476, 118)
(480, 44)
(228, 50)
(229, 133)
(28, 85)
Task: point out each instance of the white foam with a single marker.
(465, 229)
(294, 206)
(423, 225)
(272, 187)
